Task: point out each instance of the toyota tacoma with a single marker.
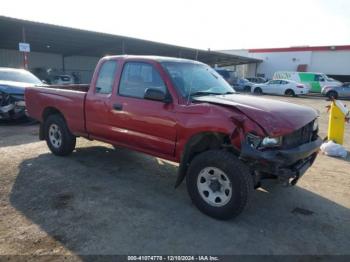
(183, 111)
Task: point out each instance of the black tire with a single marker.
(68, 140)
(332, 94)
(247, 89)
(289, 92)
(239, 177)
(258, 91)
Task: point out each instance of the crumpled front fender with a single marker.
(11, 107)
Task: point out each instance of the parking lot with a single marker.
(102, 200)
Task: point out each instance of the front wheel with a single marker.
(258, 91)
(332, 95)
(59, 139)
(219, 184)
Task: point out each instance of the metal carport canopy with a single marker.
(67, 41)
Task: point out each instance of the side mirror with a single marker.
(157, 95)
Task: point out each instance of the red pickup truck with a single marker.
(183, 111)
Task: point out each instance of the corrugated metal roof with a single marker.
(71, 41)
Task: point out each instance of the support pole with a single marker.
(63, 64)
(123, 47)
(25, 54)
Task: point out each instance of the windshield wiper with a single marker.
(202, 93)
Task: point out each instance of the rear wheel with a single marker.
(289, 92)
(332, 94)
(59, 139)
(258, 91)
(219, 184)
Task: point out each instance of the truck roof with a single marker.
(154, 58)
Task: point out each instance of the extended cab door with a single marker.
(143, 124)
(98, 104)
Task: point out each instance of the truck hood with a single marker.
(275, 117)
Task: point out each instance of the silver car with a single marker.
(337, 91)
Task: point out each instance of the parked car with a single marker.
(63, 80)
(314, 81)
(228, 75)
(12, 85)
(243, 85)
(281, 87)
(256, 80)
(182, 110)
(337, 91)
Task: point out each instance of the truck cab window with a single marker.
(105, 79)
(137, 77)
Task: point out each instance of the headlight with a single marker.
(315, 125)
(253, 140)
(271, 141)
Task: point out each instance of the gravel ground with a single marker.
(105, 201)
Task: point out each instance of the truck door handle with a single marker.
(118, 107)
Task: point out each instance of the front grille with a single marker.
(299, 137)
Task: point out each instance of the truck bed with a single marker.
(67, 99)
(75, 87)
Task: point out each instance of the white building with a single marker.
(332, 60)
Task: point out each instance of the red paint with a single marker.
(300, 49)
(158, 128)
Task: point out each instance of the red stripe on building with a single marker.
(301, 49)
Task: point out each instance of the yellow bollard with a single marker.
(337, 118)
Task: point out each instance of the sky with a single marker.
(203, 24)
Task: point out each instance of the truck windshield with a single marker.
(193, 79)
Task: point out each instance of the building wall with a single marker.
(81, 65)
(281, 61)
(14, 58)
(330, 62)
(10, 58)
(242, 70)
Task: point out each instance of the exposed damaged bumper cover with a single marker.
(11, 106)
(287, 163)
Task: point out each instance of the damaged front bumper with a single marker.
(11, 107)
(286, 164)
